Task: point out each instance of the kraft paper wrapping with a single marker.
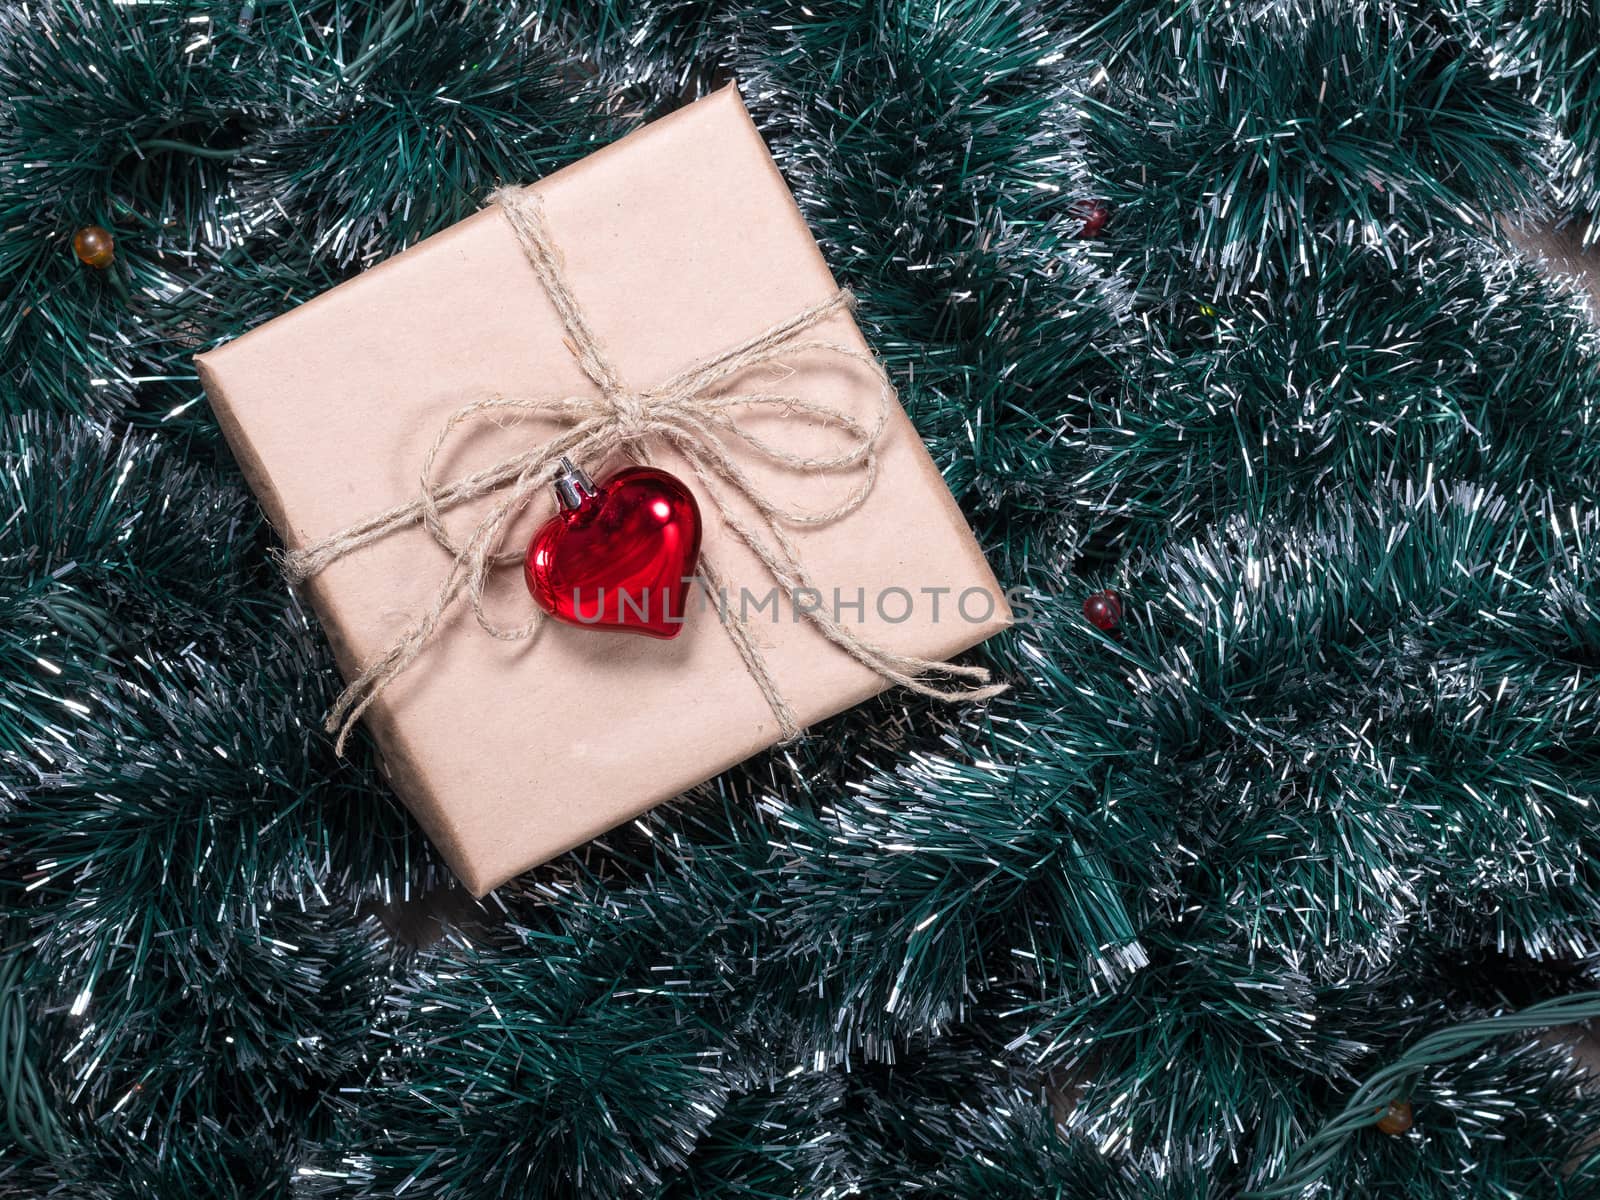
(680, 240)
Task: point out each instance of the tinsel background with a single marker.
(1137, 929)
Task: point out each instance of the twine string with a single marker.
(694, 415)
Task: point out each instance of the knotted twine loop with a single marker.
(689, 413)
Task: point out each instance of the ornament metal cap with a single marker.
(573, 485)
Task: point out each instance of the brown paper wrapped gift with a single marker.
(679, 241)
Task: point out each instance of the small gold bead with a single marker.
(1395, 1118)
(94, 246)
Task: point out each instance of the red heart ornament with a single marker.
(619, 556)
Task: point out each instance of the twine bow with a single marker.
(690, 413)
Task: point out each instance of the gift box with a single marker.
(679, 240)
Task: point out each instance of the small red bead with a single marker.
(1095, 215)
(1103, 610)
(1394, 1118)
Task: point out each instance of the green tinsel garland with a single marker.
(1173, 919)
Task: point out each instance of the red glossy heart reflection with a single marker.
(622, 559)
